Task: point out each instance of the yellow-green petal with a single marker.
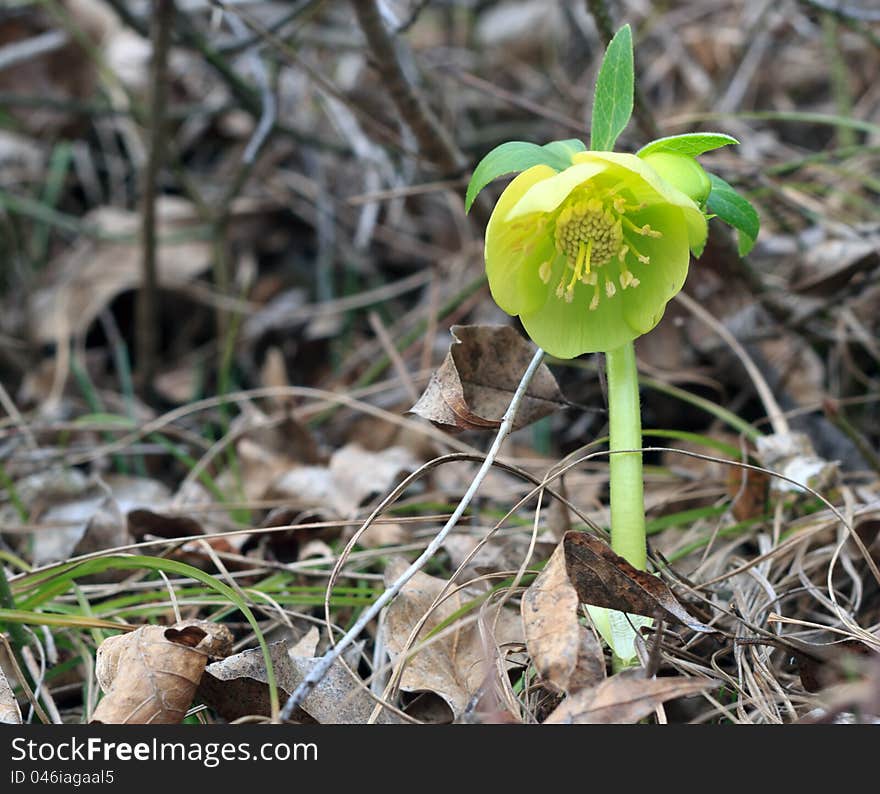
(643, 307)
(662, 190)
(547, 195)
(514, 253)
(568, 329)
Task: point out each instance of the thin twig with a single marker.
(147, 306)
(268, 104)
(321, 668)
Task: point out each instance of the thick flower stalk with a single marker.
(590, 255)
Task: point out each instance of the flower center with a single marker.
(590, 234)
(589, 222)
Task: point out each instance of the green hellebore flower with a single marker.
(589, 256)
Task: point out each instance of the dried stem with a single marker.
(147, 306)
(434, 141)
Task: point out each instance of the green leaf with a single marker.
(691, 144)
(732, 208)
(613, 102)
(518, 156)
(565, 149)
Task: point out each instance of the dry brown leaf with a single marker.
(150, 675)
(473, 387)
(566, 654)
(829, 265)
(623, 699)
(93, 521)
(237, 686)
(452, 666)
(92, 272)
(353, 477)
(144, 522)
(604, 579)
(63, 73)
(10, 714)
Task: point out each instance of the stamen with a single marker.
(610, 289)
(645, 260)
(644, 230)
(594, 303)
(560, 289)
(582, 252)
(627, 279)
(544, 272)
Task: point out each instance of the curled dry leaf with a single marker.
(623, 699)
(142, 522)
(93, 272)
(793, 455)
(566, 654)
(10, 714)
(604, 579)
(353, 476)
(150, 675)
(237, 687)
(474, 385)
(93, 521)
(453, 663)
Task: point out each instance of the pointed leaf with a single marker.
(613, 102)
(473, 387)
(516, 156)
(691, 144)
(565, 149)
(605, 579)
(732, 208)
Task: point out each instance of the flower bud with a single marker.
(682, 172)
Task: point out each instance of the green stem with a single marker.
(625, 433)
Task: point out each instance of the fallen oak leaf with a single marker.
(623, 699)
(473, 387)
(453, 663)
(565, 653)
(237, 686)
(150, 675)
(605, 579)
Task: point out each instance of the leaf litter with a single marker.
(268, 279)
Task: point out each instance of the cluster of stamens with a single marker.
(590, 233)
